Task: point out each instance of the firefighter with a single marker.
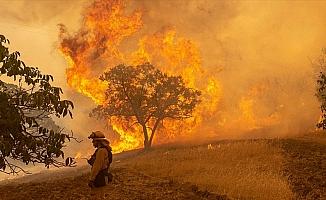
(100, 160)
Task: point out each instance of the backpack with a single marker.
(93, 157)
(109, 154)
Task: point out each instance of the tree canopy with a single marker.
(25, 111)
(146, 96)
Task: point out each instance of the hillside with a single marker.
(238, 169)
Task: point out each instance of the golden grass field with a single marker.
(241, 170)
(266, 169)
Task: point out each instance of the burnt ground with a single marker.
(305, 167)
(127, 184)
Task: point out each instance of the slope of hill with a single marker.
(243, 169)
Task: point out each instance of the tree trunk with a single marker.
(147, 144)
(153, 132)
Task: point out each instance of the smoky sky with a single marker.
(242, 43)
(269, 43)
(34, 11)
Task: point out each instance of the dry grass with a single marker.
(241, 170)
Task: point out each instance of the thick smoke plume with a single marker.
(264, 50)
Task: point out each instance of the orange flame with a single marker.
(96, 47)
(247, 117)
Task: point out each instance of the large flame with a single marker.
(99, 45)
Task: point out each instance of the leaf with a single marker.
(71, 104)
(64, 112)
(2, 38)
(24, 142)
(70, 114)
(67, 161)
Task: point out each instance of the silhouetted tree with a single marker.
(24, 109)
(147, 96)
(320, 65)
(321, 94)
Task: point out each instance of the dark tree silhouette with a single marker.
(321, 95)
(146, 96)
(25, 109)
(320, 65)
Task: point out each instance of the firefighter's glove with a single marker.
(91, 184)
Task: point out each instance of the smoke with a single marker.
(266, 44)
(274, 42)
(36, 13)
(259, 51)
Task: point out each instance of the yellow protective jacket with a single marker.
(101, 162)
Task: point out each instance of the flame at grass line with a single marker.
(247, 106)
(96, 47)
(127, 140)
(247, 117)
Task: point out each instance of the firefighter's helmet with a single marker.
(98, 135)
